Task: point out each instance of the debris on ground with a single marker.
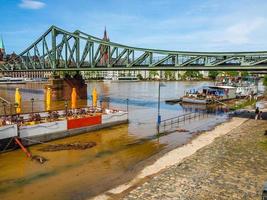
(182, 130)
(71, 146)
(39, 159)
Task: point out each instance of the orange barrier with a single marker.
(29, 155)
(83, 122)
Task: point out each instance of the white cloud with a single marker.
(31, 4)
(239, 35)
(243, 32)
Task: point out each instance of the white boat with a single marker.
(120, 78)
(11, 80)
(245, 86)
(196, 100)
(210, 94)
(243, 91)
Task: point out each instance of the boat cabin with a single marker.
(221, 92)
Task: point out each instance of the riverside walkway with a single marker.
(234, 166)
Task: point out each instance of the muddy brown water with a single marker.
(120, 152)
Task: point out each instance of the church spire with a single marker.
(2, 49)
(2, 46)
(105, 38)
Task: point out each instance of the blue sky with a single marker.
(192, 25)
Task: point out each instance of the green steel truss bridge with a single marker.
(60, 50)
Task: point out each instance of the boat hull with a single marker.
(48, 131)
(196, 101)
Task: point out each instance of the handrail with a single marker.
(180, 116)
(4, 100)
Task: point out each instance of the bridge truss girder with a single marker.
(60, 50)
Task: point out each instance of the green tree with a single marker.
(169, 75)
(192, 75)
(244, 74)
(232, 73)
(213, 74)
(152, 74)
(265, 80)
(122, 74)
(139, 76)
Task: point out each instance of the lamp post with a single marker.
(4, 106)
(101, 105)
(32, 101)
(66, 108)
(108, 100)
(159, 116)
(127, 103)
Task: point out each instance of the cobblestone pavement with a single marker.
(232, 167)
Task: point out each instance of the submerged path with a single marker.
(234, 166)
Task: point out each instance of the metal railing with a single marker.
(174, 122)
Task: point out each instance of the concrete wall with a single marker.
(114, 117)
(8, 131)
(44, 128)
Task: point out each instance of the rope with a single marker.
(220, 102)
(37, 141)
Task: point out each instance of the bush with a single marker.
(192, 75)
(265, 80)
(213, 74)
(139, 76)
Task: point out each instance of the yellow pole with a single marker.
(73, 98)
(18, 101)
(48, 99)
(95, 96)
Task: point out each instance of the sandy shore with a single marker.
(175, 156)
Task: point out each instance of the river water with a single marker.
(121, 151)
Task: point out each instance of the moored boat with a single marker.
(245, 86)
(210, 94)
(34, 128)
(11, 80)
(196, 100)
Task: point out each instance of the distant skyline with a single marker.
(189, 25)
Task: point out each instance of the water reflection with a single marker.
(119, 151)
(115, 153)
(212, 109)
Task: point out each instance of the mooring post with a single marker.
(127, 103)
(32, 101)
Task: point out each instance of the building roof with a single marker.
(2, 46)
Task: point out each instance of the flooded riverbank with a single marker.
(120, 152)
